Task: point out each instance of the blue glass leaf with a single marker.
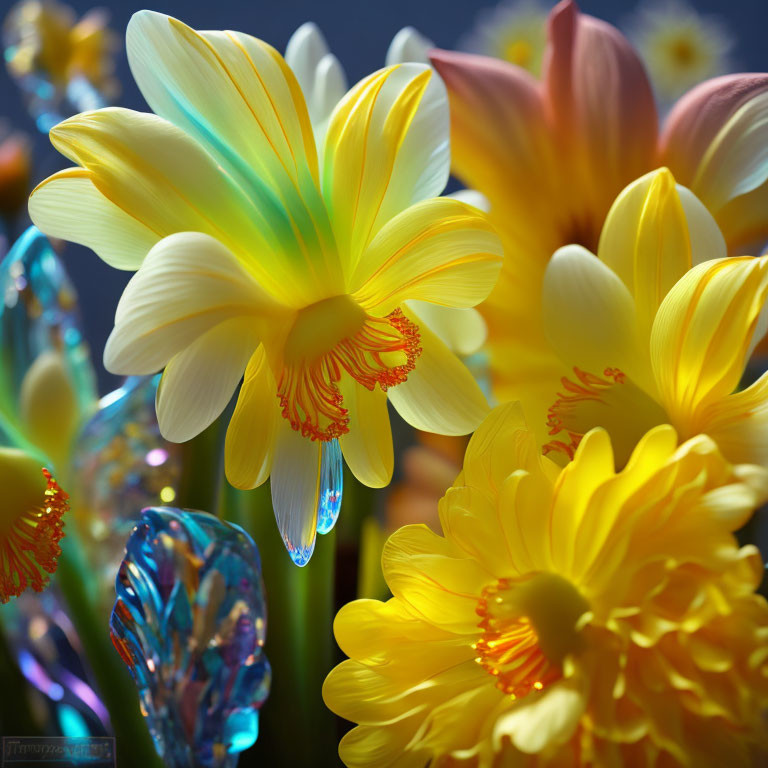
(190, 622)
(120, 465)
(51, 658)
(39, 313)
(331, 486)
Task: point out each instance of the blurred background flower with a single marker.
(680, 46)
(63, 65)
(513, 30)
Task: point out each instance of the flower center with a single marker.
(519, 51)
(614, 403)
(329, 338)
(29, 539)
(529, 627)
(683, 52)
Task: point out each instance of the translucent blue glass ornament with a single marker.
(51, 658)
(120, 465)
(39, 313)
(190, 623)
(331, 486)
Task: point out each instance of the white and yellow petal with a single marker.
(386, 148)
(440, 394)
(295, 482)
(200, 380)
(442, 251)
(188, 284)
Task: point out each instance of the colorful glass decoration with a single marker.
(50, 655)
(120, 465)
(190, 623)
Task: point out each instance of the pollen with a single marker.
(29, 545)
(341, 339)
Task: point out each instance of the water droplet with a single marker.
(331, 486)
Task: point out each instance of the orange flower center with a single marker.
(528, 628)
(614, 403)
(29, 543)
(330, 338)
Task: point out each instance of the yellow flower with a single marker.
(31, 524)
(513, 30)
(551, 155)
(656, 329)
(254, 256)
(324, 84)
(47, 41)
(580, 617)
(679, 46)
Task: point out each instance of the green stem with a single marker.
(117, 690)
(297, 730)
(201, 471)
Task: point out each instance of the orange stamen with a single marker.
(309, 394)
(589, 387)
(509, 647)
(30, 549)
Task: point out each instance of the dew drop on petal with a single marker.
(331, 486)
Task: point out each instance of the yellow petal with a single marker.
(188, 283)
(739, 424)
(367, 447)
(440, 394)
(295, 484)
(661, 213)
(69, 206)
(236, 95)
(199, 381)
(251, 433)
(162, 177)
(702, 334)
(48, 407)
(543, 719)
(394, 639)
(434, 579)
(463, 331)
(386, 148)
(441, 250)
(588, 313)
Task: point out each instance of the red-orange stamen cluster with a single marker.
(30, 548)
(309, 394)
(509, 648)
(589, 387)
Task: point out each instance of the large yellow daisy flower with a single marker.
(254, 256)
(566, 618)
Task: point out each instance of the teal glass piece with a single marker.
(190, 623)
(50, 656)
(331, 486)
(120, 464)
(38, 314)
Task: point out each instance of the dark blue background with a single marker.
(358, 32)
